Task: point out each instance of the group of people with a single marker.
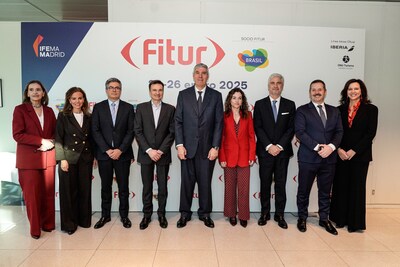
(334, 148)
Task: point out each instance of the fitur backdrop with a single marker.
(63, 55)
(380, 20)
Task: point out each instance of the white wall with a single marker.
(382, 73)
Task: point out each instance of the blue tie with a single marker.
(274, 110)
(113, 112)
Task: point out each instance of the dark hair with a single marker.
(155, 82)
(244, 108)
(364, 93)
(68, 107)
(317, 81)
(111, 80)
(27, 99)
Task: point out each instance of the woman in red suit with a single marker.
(236, 155)
(360, 121)
(33, 129)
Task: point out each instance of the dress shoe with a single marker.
(163, 221)
(35, 236)
(126, 222)
(243, 223)
(70, 232)
(47, 230)
(144, 223)
(102, 222)
(182, 222)
(263, 219)
(207, 221)
(328, 227)
(302, 225)
(281, 221)
(233, 221)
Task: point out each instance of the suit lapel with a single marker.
(193, 99)
(163, 113)
(151, 114)
(73, 121)
(206, 99)
(316, 115)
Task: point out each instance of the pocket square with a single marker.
(284, 113)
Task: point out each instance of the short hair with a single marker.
(317, 81)
(364, 93)
(111, 80)
(244, 108)
(273, 75)
(68, 107)
(27, 99)
(155, 82)
(200, 65)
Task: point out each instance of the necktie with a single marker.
(199, 100)
(274, 110)
(322, 114)
(113, 113)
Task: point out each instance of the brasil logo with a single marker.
(258, 58)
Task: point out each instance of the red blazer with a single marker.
(237, 150)
(28, 134)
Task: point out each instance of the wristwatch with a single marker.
(216, 147)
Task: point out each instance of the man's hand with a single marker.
(324, 151)
(114, 153)
(212, 154)
(154, 154)
(274, 150)
(181, 152)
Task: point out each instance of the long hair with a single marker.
(27, 99)
(364, 93)
(67, 105)
(244, 108)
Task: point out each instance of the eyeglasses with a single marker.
(114, 88)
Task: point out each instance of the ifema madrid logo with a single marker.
(251, 60)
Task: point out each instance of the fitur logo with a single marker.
(251, 60)
(167, 52)
(46, 51)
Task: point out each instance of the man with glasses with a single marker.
(113, 132)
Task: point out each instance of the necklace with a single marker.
(36, 106)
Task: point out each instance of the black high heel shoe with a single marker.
(233, 221)
(243, 223)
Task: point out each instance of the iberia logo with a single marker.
(167, 52)
(252, 60)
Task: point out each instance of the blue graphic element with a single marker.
(46, 59)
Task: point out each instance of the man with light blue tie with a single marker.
(318, 127)
(113, 132)
(274, 127)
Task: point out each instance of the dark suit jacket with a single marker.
(237, 150)
(148, 136)
(104, 133)
(28, 134)
(279, 133)
(311, 132)
(192, 130)
(359, 137)
(72, 139)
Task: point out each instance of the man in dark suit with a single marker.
(198, 129)
(154, 132)
(318, 127)
(113, 132)
(274, 127)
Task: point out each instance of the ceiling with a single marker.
(53, 10)
(62, 10)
